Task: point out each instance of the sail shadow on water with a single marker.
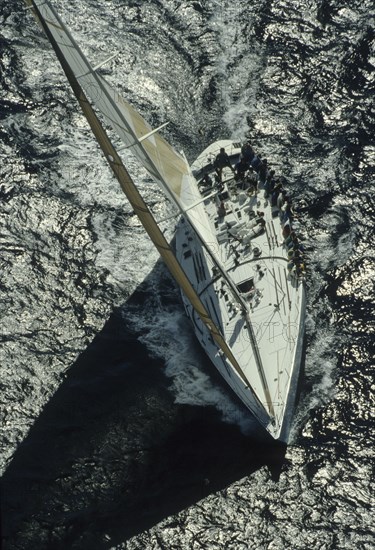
(112, 454)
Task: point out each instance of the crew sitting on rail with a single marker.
(292, 243)
(287, 211)
(277, 190)
(222, 160)
(281, 199)
(295, 251)
(298, 269)
(270, 183)
(290, 239)
(295, 254)
(296, 265)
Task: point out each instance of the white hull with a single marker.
(275, 303)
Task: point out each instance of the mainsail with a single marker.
(155, 153)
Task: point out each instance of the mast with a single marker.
(139, 206)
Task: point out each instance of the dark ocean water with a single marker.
(116, 430)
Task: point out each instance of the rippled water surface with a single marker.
(117, 432)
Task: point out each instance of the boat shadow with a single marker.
(111, 454)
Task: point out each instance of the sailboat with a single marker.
(234, 253)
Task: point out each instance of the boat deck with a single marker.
(256, 261)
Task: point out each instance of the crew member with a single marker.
(222, 160)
